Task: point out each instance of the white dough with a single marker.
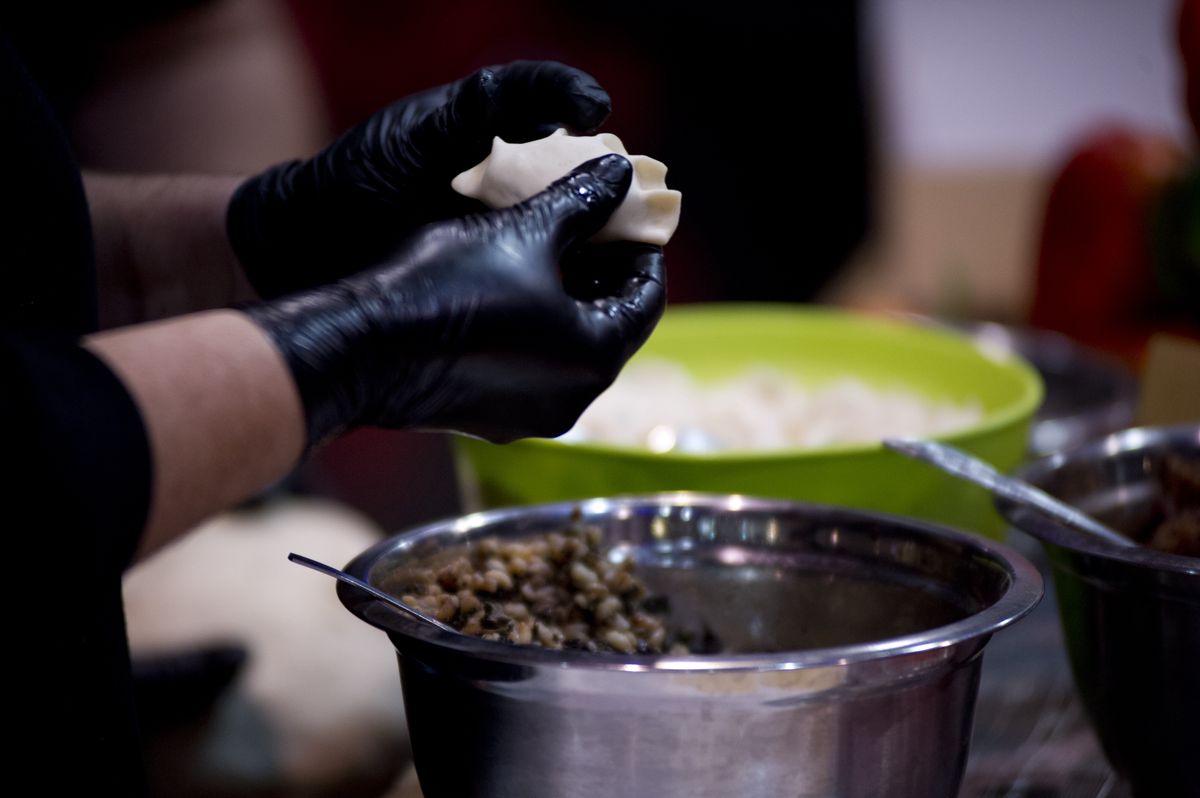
(319, 702)
(513, 173)
(657, 404)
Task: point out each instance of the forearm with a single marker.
(221, 412)
(161, 246)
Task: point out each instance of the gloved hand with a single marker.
(470, 325)
(306, 223)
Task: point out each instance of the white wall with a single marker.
(1013, 81)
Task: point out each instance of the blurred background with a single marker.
(1028, 162)
(886, 154)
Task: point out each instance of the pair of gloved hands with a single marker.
(392, 312)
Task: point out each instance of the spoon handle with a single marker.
(960, 464)
(392, 601)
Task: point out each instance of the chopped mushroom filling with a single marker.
(556, 590)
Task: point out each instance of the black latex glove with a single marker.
(471, 327)
(306, 223)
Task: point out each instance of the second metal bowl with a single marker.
(1131, 616)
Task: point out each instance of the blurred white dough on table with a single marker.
(513, 173)
(318, 702)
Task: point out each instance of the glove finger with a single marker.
(420, 104)
(518, 102)
(628, 315)
(536, 97)
(575, 207)
(458, 134)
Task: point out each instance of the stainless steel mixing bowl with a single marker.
(853, 647)
(1130, 616)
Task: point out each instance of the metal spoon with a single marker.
(336, 573)
(960, 464)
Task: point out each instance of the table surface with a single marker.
(1032, 737)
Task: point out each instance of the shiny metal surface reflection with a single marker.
(853, 641)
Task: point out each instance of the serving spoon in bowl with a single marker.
(392, 601)
(962, 465)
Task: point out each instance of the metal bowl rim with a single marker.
(1023, 594)
(1048, 531)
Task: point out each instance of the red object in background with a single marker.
(369, 53)
(1096, 274)
(1095, 277)
(398, 479)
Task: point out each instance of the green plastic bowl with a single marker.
(816, 346)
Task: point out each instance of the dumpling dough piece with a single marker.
(513, 173)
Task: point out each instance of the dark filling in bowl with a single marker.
(1177, 529)
(571, 589)
(557, 590)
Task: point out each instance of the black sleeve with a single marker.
(77, 485)
(80, 432)
(76, 505)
